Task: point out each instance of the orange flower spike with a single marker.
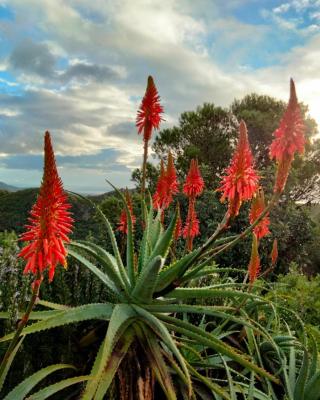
(49, 222)
(288, 139)
(274, 252)
(254, 264)
(173, 186)
(149, 114)
(123, 222)
(194, 184)
(241, 180)
(257, 207)
(160, 196)
(191, 228)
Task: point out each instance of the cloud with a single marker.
(33, 58)
(84, 71)
(84, 80)
(282, 8)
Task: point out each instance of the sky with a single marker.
(78, 68)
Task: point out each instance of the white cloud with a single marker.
(136, 38)
(283, 8)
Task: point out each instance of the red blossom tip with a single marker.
(288, 139)
(167, 185)
(149, 113)
(274, 252)
(49, 221)
(191, 228)
(194, 184)
(254, 264)
(241, 180)
(257, 207)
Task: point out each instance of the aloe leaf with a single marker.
(302, 378)
(210, 384)
(209, 292)
(145, 242)
(101, 275)
(75, 314)
(110, 233)
(159, 328)
(21, 391)
(155, 230)
(8, 363)
(203, 310)
(54, 306)
(157, 363)
(163, 244)
(130, 246)
(314, 356)
(35, 315)
(211, 341)
(147, 280)
(107, 260)
(121, 318)
(175, 270)
(117, 355)
(56, 387)
(312, 390)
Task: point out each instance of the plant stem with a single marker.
(221, 227)
(23, 322)
(144, 169)
(250, 228)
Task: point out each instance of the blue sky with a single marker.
(79, 69)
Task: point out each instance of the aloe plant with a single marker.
(146, 300)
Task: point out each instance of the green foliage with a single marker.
(198, 133)
(132, 318)
(299, 293)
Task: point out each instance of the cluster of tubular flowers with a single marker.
(274, 253)
(49, 222)
(167, 185)
(259, 231)
(123, 222)
(192, 188)
(241, 180)
(254, 264)
(257, 207)
(288, 139)
(149, 114)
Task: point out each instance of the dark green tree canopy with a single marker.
(209, 134)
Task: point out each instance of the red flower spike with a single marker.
(257, 207)
(173, 186)
(160, 196)
(49, 222)
(288, 139)
(254, 264)
(194, 183)
(241, 180)
(191, 228)
(149, 114)
(274, 252)
(123, 222)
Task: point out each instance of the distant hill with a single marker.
(8, 188)
(15, 207)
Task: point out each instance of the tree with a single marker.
(207, 134)
(151, 177)
(262, 115)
